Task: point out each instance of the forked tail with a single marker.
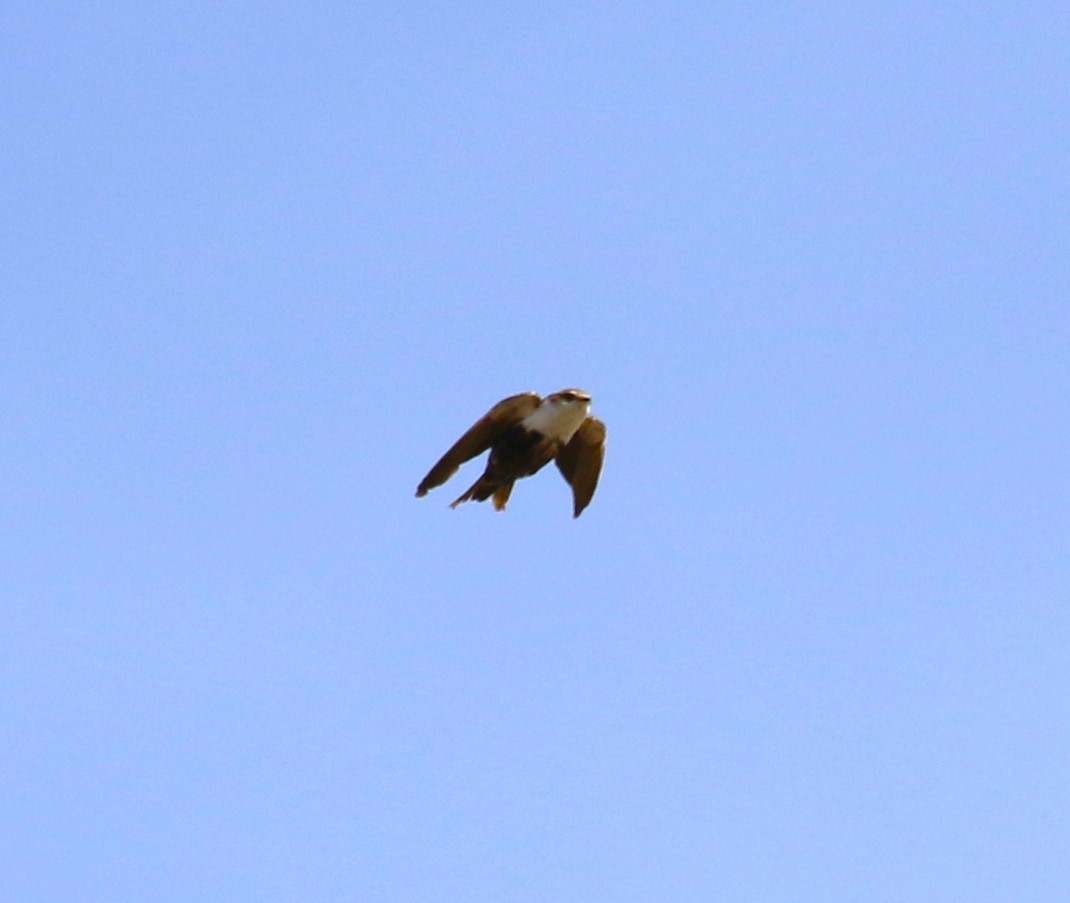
(483, 489)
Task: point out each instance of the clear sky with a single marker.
(261, 263)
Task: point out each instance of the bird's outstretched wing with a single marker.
(479, 438)
(580, 462)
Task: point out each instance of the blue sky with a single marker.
(261, 263)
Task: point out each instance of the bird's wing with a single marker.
(580, 462)
(479, 438)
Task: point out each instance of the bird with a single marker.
(525, 433)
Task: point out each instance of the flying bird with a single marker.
(525, 433)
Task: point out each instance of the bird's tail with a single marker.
(501, 496)
(483, 489)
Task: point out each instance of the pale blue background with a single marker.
(262, 262)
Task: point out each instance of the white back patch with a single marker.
(557, 420)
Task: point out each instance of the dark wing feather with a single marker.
(580, 462)
(479, 438)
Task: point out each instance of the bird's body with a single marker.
(525, 433)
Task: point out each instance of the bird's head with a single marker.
(569, 397)
(560, 414)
